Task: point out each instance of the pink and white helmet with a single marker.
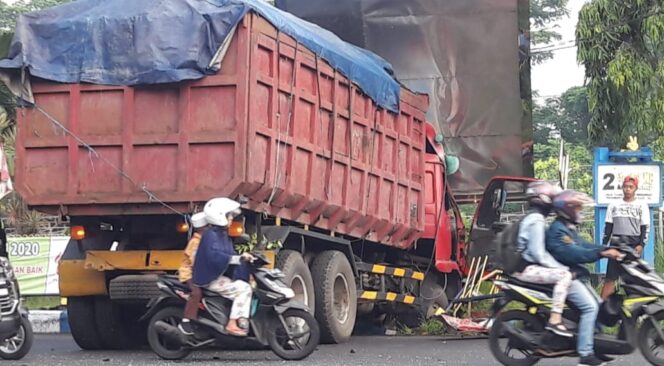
(566, 203)
(541, 193)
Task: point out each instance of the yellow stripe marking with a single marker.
(409, 299)
(369, 295)
(399, 272)
(418, 276)
(391, 296)
(439, 312)
(630, 302)
(377, 268)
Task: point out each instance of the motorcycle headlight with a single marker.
(6, 267)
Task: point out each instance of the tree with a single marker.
(621, 45)
(543, 13)
(580, 174)
(9, 12)
(13, 208)
(576, 116)
(566, 116)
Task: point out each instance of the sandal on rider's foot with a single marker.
(238, 332)
(559, 329)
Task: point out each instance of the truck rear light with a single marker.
(236, 229)
(182, 227)
(77, 233)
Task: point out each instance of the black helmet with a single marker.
(540, 195)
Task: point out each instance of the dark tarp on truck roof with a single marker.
(464, 55)
(128, 42)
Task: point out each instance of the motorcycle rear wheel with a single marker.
(500, 345)
(300, 322)
(160, 344)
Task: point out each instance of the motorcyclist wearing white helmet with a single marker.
(216, 260)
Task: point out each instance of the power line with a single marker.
(535, 52)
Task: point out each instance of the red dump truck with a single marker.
(356, 195)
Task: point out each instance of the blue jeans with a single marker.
(585, 299)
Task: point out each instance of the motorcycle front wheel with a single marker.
(303, 339)
(505, 350)
(16, 347)
(650, 343)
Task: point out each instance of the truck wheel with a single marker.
(134, 287)
(81, 315)
(297, 276)
(336, 296)
(112, 328)
(432, 296)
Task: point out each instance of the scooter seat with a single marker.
(544, 288)
(175, 282)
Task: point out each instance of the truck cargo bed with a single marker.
(276, 124)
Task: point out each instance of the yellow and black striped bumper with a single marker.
(391, 271)
(387, 296)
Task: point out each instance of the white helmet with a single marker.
(217, 209)
(198, 220)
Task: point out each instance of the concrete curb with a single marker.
(49, 321)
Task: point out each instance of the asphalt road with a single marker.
(59, 349)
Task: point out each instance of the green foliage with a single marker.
(432, 327)
(10, 12)
(566, 116)
(621, 44)
(253, 243)
(543, 13)
(580, 163)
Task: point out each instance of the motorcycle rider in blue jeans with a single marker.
(567, 247)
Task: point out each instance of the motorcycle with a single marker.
(15, 329)
(276, 320)
(518, 337)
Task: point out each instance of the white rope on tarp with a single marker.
(152, 197)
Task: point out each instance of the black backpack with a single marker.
(507, 251)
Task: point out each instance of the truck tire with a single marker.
(134, 287)
(298, 277)
(432, 296)
(336, 296)
(81, 316)
(113, 329)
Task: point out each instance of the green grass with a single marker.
(430, 327)
(42, 302)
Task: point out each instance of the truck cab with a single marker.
(503, 202)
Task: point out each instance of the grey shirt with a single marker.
(628, 217)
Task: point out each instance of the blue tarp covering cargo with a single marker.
(130, 42)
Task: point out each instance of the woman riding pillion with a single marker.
(216, 260)
(537, 265)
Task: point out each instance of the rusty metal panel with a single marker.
(277, 124)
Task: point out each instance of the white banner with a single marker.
(609, 179)
(35, 262)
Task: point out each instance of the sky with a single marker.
(554, 76)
